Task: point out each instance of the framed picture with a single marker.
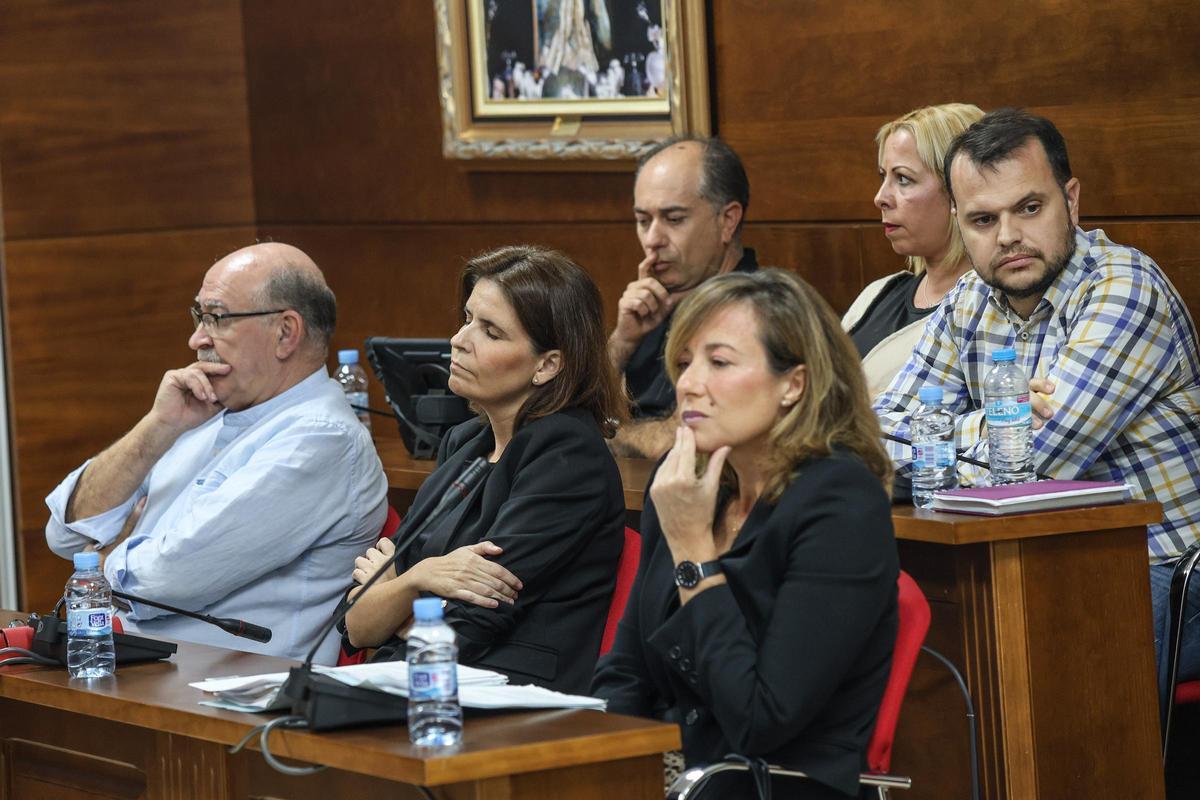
(591, 80)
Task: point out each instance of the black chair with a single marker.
(1177, 693)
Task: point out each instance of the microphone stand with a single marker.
(237, 627)
(327, 704)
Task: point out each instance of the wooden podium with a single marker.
(143, 735)
(1048, 617)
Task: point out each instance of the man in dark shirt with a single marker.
(689, 199)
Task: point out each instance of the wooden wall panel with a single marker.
(800, 90)
(122, 116)
(317, 122)
(347, 126)
(93, 322)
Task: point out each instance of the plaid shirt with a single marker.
(1114, 336)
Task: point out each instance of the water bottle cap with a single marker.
(426, 609)
(88, 559)
(347, 356)
(931, 394)
(1004, 354)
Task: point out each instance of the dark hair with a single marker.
(722, 177)
(795, 326)
(560, 308)
(999, 133)
(305, 292)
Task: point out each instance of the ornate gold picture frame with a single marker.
(583, 80)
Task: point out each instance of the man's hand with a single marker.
(186, 398)
(1040, 390)
(641, 309)
(644, 438)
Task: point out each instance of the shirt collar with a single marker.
(303, 390)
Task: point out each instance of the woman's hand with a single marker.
(368, 564)
(685, 503)
(467, 574)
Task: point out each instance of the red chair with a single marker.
(627, 568)
(913, 625)
(390, 524)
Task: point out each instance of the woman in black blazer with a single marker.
(528, 560)
(764, 612)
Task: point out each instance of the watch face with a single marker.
(687, 575)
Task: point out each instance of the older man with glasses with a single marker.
(249, 486)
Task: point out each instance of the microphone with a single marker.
(238, 627)
(958, 454)
(355, 706)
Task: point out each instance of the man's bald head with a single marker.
(721, 178)
(285, 277)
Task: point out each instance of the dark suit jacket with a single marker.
(788, 660)
(554, 503)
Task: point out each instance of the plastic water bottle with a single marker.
(434, 715)
(90, 651)
(934, 460)
(354, 383)
(1009, 420)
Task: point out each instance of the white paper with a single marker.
(477, 688)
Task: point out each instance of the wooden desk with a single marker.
(142, 734)
(1047, 616)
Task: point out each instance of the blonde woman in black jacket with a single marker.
(764, 612)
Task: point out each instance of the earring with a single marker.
(536, 381)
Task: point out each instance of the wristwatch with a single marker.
(689, 573)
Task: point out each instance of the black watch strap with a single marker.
(688, 574)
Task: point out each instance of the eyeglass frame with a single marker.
(217, 318)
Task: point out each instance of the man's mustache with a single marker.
(1016, 251)
(209, 355)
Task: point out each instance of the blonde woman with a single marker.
(886, 320)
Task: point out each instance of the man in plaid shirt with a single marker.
(1106, 340)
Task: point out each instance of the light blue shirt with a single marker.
(256, 514)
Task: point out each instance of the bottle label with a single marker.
(436, 681)
(357, 399)
(1009, 411)
(933, 455)
(89, 622)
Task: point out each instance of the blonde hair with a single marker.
(934, 128)
(795, 326)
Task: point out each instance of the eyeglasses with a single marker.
(214, 322)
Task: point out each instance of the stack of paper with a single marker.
(477, 688)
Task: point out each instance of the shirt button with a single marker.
(1025, 336)
(691, 717)
(675, 652)
(685, 664)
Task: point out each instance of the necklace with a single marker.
(921, 282)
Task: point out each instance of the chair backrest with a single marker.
(391, 524)
(627, 568)
(910, 635)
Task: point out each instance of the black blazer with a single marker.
(788, 660)
(554, 503)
